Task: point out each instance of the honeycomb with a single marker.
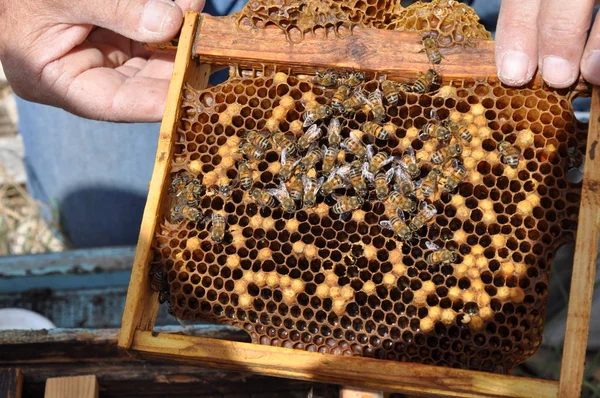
(314, 280)
(452, 22)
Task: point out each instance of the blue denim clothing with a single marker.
(96, 174)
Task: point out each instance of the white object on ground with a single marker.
(20, 319)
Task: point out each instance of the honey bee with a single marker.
(245, 174)
(425, 215)
(287, 146)
(391, 92)
(181, 212)
(217, 228)
(438, 255)
(355, 176)
(459, 131)
(250, 151)
(334, 132)
(224, 189)
(404, 183)
(180, 181)
(410, 164)
(398, 224)
(353, 145)
(159, 282)
(382, 181)
(314, 156)
(375, 102)
(335, 181)
(316, 113)
(353, 79)
(339, 97)
(430, 46)
(311, 187)
(347, 204)
(425, 82)
(258, 140)
(309, 137)
(326, 79)
(330, 158)
(510, 154)
(404, 203)
(435, 130)
(288, 166)
(455, 177)
(355, 102)
(284, 197)
(378, 131)
(575, 158)
(296, 188)
(378, 161)
(263, 198)
(430, 182)
(446, 153)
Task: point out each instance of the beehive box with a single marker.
(351, 295)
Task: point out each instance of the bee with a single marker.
(329, 159)
(314, 156)
(459, 131)
(263, 198)
(455, 177)
(426, 81)
(284, 197)
(159, 282)
(353, 79)
(258, 140)
(245, 174)
(404, 183)
(181, 212)
(353, 145)
(287, 146)
(510, 154)
(382, 181)
(334, 132)
(391, 92)
(398, 224)
(355, 176)
(430, 182)
(378, 131)
(192, 192)
(410, 164)
(180, 181)
(316, 113)
(250, 151)
(311, 187)
(377, 162)
(435, 130)
(326, 79)
(217, 228)
(402, 202)
(310, 136)
(335, 181)
(430, 46)
(438, 255)
(575, 158)
(375, 102)
(446, 153)
(425, 215)
(288, 166)
(296, 188)
(355, 102)
(225, 189)
(347, 204)
(340, 96)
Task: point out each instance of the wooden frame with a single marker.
(216, 41)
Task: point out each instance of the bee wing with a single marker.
(376, 96)
(345, 216)
(418, 184)
(432, 246)
(365, 172)
(342, 171)
(389, 160)
(433, 114)
(389, 175)
(386, 224)
(400, 172)
(382, 78)
(334, 126)
(313, 132)
(370, 152)
(320, 182)
(308, 119)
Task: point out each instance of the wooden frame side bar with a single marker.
(360, 372)
(141, 306)
(584, 263)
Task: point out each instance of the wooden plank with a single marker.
(11, 383)
(584, 263)
(72, 387)
(348, 371)
(141, 306)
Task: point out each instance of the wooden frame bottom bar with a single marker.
(360, 372)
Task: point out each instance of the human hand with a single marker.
(85, 56)
(551, 35)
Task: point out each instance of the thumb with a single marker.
(141, 20)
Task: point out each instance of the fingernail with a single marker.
(557, 71)
(157, 14)
(513, 68)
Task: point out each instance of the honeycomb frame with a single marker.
(466, 96)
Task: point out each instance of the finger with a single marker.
(590, 63)
(516, 44)
(193, 5)
(562, 30)
(142, 20)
